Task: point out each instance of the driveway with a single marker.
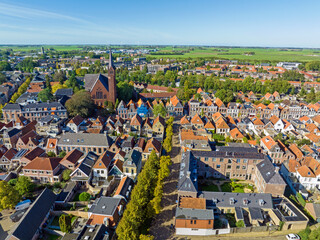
(6, 225)
(160, 227)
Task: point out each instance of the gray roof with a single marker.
(87, 163)
(105, 206)
(91, 79)
(30, 222)
(270, 173)
(189, 213)
(12, 106)
(295, 214)
(188, 179)
(64, 91)
(27, 96)
(239, 213)
(244, 200)
(231, 152)
(255, 213)
(85, 139)
(66, 191)
(132, 158)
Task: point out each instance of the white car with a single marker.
(292, 236)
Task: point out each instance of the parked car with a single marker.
(292, 236)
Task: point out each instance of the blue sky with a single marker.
(283, 23)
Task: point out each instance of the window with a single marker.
(238, 160)
(245, 160)
(229, 161)
(99, 95)
(238, 167)
(218, 166)
(221, 159)
(206, 159)
(244, 167)
(213, 159)
(229, 167)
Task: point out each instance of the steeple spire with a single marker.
(110, 59)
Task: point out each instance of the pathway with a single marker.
(160, 227)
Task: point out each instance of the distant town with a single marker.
(159, 142)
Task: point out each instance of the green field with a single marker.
(27, 48)
(270, 54)
(232, 53)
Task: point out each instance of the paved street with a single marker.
(160, 227)
(5, 223)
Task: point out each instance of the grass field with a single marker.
(27, 48)
(237, 53)
(271, 54)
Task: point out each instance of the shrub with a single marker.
(240, 224)
(84, 197)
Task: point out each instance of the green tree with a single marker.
(3, 78)
(24, 185)
(65, 223)
(159, 109)
(84, 197)
(81, 104)
(51, 154)
(302, 92)
(66, 175)
(9, 196)
(62, 154)
(125, 91)
(146, 237)
(245, 140)
(45, 95)
(5, 66)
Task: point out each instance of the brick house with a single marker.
(43, 169)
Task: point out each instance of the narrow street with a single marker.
(160, 227)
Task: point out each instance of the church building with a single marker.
(102, 87)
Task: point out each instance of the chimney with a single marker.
(188, 174)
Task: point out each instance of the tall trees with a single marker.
(80, 104)
(140, 210)
(45, 95)
(159, 109)
(9, 197)
(125, 91)
(65, 223)
(24, 185)
(5, 66)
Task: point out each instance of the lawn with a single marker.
(55, 221)
(226, 187)
(210, 188)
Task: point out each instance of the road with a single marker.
(160, 227)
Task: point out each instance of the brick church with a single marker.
(102, 87)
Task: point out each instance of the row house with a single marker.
(174, 107)
(43, 169)
(97, 143)
(33, 111)
(273, 149)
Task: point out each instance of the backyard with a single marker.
(234, 186)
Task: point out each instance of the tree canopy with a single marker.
(159, 109)
(9, 196)
(81, 104)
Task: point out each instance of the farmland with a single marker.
(259, 54)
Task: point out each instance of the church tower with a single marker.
(112, 79)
